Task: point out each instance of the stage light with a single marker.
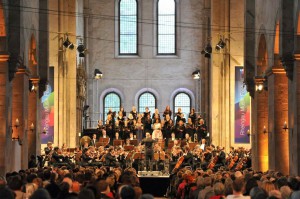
(196, 74)
(81, 49)
(221, 44)
(68, 44)
(98, 74)
(207, 51)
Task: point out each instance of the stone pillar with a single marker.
(32, 119)
(294, 117)
(261, 130)
(20, 91)
(5, 116)
(278, 114)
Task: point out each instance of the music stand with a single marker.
(118, 142)
(98, 144)
(133, 142)
(104, 141)
(128, 147)
(138, 156)
(192, 145)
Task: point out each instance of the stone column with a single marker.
(278, 114)
(294, 117)
(5, 116)
(20, 91)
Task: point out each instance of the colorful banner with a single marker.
(47, 111)
(241, 109)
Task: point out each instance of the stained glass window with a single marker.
(183, 101)
(128, 27)
(147, 99)
(166, 30)
(111, 101)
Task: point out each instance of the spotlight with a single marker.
(207, 51)
(86, 107)
(33, 87)
(98, 74)
(220, 45)
(68, 44)
(196, 74)
(81, 49)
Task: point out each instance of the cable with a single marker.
(146, 45)
(114, 18)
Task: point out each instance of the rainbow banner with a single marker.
(241, 108)
(47, 111)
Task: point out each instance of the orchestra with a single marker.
(140, 139)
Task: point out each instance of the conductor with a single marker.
(148, 142)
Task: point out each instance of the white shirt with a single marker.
(202, 146)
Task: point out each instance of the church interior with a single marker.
(64, 64)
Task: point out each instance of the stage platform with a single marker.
(154, 182)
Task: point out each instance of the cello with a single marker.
(213, 162)
(178, 164)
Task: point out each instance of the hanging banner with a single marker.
(241, 109)
(47, 111)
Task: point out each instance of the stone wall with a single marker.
(129, 75)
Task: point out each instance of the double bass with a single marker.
(213, 162)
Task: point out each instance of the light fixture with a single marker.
(17, 123)
(98, 74)
(81, 49)
(207, 51)
(44, 131)
(221, 44)
(68, 44)
(261, 83)
(31, 128)
(285, 127)
(196, 74)
(248, 132)
(265, 130)
(33, 85)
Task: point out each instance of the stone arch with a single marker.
(104, 93)
(143, 90)
(182, 90)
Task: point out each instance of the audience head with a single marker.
(15, 183)
(238, 185)
(40, 194)
(127, 192)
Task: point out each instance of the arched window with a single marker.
(183, 101)
(166, 27)
(146, 99)
(113, 101)
(128, 24)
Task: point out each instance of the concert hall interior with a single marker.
(85, 82)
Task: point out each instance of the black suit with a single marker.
(148, 147)
(110, 160)
(188, 159)
(93, 142)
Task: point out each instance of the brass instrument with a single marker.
(84, 140)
